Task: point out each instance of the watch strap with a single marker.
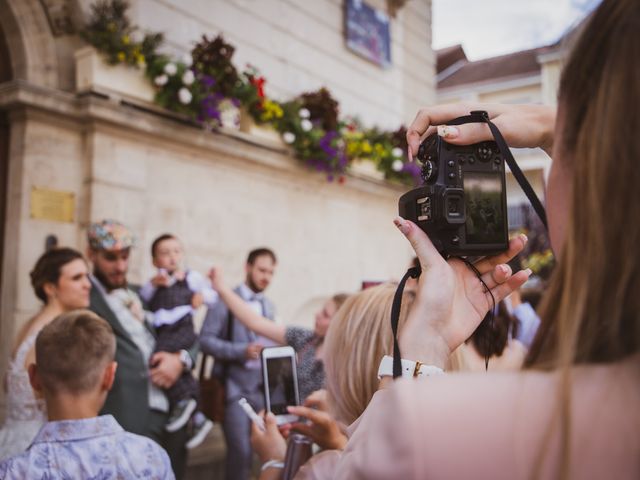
(410, 369)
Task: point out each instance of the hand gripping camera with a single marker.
(462, 205)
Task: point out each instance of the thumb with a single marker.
(270, 421)
(426, 252)
(465, 134)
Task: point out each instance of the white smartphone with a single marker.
(280, 382)
(251, 413)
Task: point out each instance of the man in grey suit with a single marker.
(137, 399)
(237, 359)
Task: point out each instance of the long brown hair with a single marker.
(592, 310)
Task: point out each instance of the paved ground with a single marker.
(207, 461)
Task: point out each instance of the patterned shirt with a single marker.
(310, 369)
(96, 448)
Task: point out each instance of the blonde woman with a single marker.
(359, 334)
(574, 412)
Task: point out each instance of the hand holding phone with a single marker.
(251, 413)
(280, 382)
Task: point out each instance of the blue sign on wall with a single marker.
(367, 32)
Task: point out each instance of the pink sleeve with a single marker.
(321, 466)
(377, 448)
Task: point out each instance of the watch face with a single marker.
(185, 358)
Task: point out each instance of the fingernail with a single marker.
(504, 269)
(524, 238)
(290, 409)
(528, 272)
(402, 225)
(445, 131)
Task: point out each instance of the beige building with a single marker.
(529, 76)
(68, 158)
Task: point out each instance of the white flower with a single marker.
(288, 137)
(306, 125)
(397, 165)
(184, 96)
(188, 77)
(304, 113)
(396, 152)
(136, 36)
(187, 59)
(161, 80)
(170, 68)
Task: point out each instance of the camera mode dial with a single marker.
(427, 170)
(428, 156)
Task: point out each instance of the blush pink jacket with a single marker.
(499, 425)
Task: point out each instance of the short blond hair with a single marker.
(73, 350)
(358, 337)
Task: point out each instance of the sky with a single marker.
(487, 28)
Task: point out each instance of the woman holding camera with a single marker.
(573, 412)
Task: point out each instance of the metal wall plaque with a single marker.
(54, 205)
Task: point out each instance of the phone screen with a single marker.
(281, 388)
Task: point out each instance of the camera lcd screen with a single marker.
(281, 391)
(484, 212)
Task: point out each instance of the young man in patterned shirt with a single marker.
(74, 371)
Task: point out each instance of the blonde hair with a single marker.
(358, 337)
(73, 350)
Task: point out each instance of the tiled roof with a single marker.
(448, 56)
(512, 65)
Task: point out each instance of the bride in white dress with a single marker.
(60, 279)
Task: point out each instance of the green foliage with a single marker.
(110, 32)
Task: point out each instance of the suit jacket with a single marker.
(241, 381)
(128, 400)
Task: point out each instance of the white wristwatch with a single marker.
(410, 369)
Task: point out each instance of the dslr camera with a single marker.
(462, 204)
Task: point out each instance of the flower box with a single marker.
(365, 169)
(93, 74)
(264, 132)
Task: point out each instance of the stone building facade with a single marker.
(221, 192)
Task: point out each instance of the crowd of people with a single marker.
(100, 381)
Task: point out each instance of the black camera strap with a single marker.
(413, 272)
(480, 116)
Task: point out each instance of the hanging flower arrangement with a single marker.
(207, 87)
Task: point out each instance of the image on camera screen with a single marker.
(483, 202)
(281, 388)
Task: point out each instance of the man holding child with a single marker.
(137, 399)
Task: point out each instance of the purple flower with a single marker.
(207, 80)
(413, 169)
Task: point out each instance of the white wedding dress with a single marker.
(25, 413)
